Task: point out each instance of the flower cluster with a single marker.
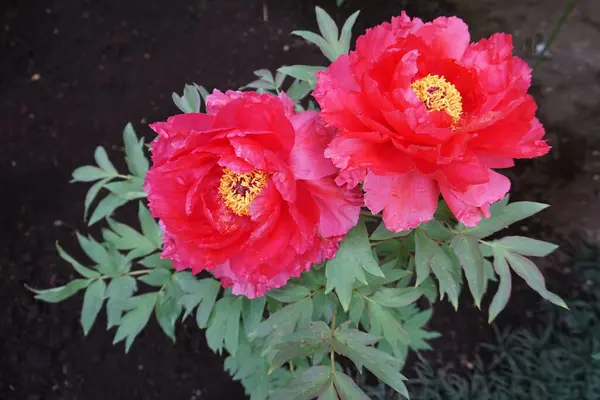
(256, 193)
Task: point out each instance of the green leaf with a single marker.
(467, 250)
(354, 345)
(329, 393)
(155, 261)
(303, 72)
(396, 297)
(502, 295)
(298, 90)
(324, 305)
(94, 250)
(83, 271)
(103, 161)
(285, 320)
(353, 256)
(526, 246)
(290, 293)
(61, 293)
(91, 195)
(382, 233)
(304, 343)
(128, 190)
(252, 313)
(327, 26)
(224, 325)
(157, 277)
(203, 92)
(346, 35)
(105, 207)
(136, 319)
(89, 173)
(134, 152)
(119, 291)
(167, 311)
(347, 389)
(357, 308)
(207, 302)
(431, 257)
(150, 227)
(503, 217)
(596, 356)
(383, 323)
(306, 385)
(436, 230)
(326, 48)
(92, 303)
(527, 270)
(189, 102)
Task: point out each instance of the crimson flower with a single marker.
(245, 191)
(420, 111)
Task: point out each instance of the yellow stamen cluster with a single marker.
(439, 94)
(239, 189)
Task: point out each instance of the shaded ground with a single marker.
(74, 72)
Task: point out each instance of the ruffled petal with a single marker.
(473, 204)
(406, 199)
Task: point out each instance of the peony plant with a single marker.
(309, 239)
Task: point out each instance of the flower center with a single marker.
(439, 95)
(238, 190)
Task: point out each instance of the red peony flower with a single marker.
(421, 111)
(246, 192)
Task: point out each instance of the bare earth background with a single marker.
(73, 72)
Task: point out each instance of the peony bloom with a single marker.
(421, 111)
(246, 192)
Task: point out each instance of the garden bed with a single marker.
(73, 73)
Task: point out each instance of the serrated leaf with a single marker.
(89, 173)
(303, 72)
(527, 270)
(103, 162)
(118, 292)
(150, 227)
(503, 217)
(134, 152)
(252, 313)
(304, 343)
(383, 323)
(83, 271)
(526, 246)
(353, 257)
(347, 389)
(157, 277)
(130, 189)
(431, 257)
(298, 90)
(94, 250)
(189, 102)
(223, 328)
(326, 48)
(92, 303)
(211, 290)
(61, 293)
(346, 35)
(91, 195)
(289, 293)
(327, 26)
(396, 297)
(382, 233)
(136, 319)
(306, 385)
(502, 295)
(167, 311)
(357, 308)
(324, 305)
(467, 250)
(351, 344)
(105, 207)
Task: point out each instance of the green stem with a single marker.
(563, 19)
(332, 353)
(133, 273)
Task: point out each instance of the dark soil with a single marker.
(73, 73)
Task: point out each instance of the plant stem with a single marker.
(563, 18)
(332, 353)
(291, 367)
(139, 272)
